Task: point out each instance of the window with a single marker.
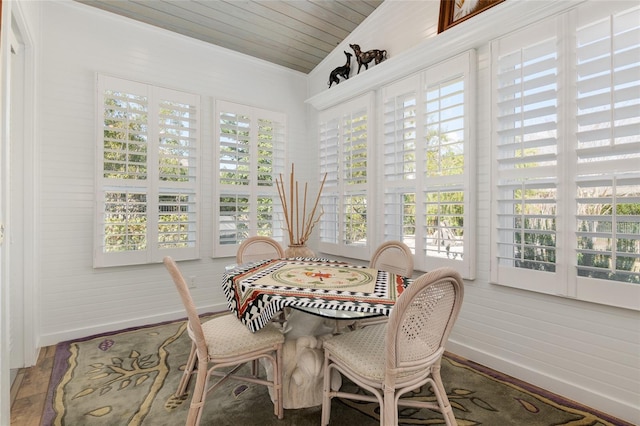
(607, 157)
(427, 167)
(526, 163)
(250, 156)
(147, 181)
(567, 148)
(344, 147)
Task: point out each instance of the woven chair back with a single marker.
(393, 256)
(259, 248)
(422, 319)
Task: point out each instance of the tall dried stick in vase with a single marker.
(299, 228)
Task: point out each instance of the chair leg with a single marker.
(277, 384)
(389, 408)
(188, 371)
(441, 396)
(199, 395)
(326, 388)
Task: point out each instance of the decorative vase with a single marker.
(298, 250)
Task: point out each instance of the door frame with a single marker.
(19, 174)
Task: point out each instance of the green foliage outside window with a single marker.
(595, 255)
(125, 225)
(125, 136)
(355, 221)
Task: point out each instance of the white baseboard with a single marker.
(590, 397)
(77, 333)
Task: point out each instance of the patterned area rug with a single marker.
(128, 378)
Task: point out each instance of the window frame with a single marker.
(155, 185)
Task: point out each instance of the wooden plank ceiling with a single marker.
(296, 34)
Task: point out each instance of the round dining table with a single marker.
(320, 297)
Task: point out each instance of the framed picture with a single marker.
(452, 12)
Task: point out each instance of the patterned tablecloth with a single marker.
(257, 291)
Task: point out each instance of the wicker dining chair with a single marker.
(404, 354)
(390, 256)
(393, 256)
(224, 342)
(259, 248)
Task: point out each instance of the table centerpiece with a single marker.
(299, 224)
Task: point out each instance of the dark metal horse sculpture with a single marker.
(364, 58)
(342, 71)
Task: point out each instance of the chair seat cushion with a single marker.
(226, 336)
(361, 350)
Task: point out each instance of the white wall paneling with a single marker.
(584, 351)
(77, 42)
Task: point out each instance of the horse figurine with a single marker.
(364, 58)
(342, 71)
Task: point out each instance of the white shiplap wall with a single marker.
(395, 26)
(584, 351)
(76, 42)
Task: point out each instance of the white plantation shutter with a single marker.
(607, 228)
(344, 156)
(177, 224)
(234, 162)
(177, 171)
(400, 124)
(250, 156)
(428, 199)
(354, 147)
(148, 173)
(567, 105)
(354, 176)
(526, 156)
(234, 210)
(271, 152)
(125, 131)
(608, 157)
(445, 152)
(608, 95)
(329, 160)
(123, 188)
(271, 162)
(233, 173)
